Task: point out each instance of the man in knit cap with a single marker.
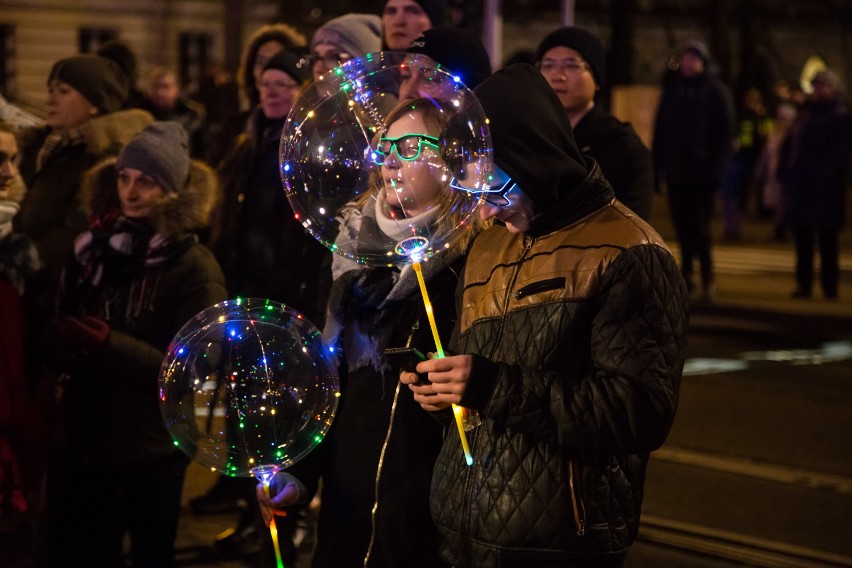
(343, 38)
(404, 20)
(574, 63)
(571, 337)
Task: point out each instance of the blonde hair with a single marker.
(451, 214)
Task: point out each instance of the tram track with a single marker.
(737, 547)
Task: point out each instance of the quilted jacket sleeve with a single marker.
(619, 392)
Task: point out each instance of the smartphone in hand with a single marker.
(406, 359)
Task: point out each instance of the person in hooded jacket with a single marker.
(574, 63)
(137, 276)
(571, 334)
(693, 142)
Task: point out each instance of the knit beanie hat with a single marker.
(699, 49)
(289, 63)
(461, 52)
(355, 34)
(97, 78)
(434, 9)
(161, 151)
(581, 41)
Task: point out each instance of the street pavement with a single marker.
(755, 281)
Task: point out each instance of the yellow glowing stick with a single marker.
(457, 410)
(273, 530)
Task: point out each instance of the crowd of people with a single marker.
(132, 207)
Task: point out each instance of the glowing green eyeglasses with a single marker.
(408, 147)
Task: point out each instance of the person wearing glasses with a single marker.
(570, 342)
(263, 250)
(343, 38)
(574, 63)
(376, 460)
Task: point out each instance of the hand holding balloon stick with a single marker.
(246, 390)
(463, 416)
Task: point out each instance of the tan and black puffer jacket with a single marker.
(577, 330)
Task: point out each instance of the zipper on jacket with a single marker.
(375, 508)
(528, 244)
(576, 502)
(538, 287)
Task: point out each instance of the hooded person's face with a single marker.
(509, 204)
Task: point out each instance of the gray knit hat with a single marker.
(97, 78)
(355, 34)
(161, 151)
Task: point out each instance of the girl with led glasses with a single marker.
(376, 461)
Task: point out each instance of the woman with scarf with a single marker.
(137, 276)
(376, 461)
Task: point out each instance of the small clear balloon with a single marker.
(247, 387)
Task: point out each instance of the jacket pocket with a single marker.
(539, 287)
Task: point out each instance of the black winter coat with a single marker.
(622, 156)
(693, 133)
(813, 166)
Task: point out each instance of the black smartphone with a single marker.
(406, 359)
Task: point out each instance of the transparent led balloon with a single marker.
(246, 387)
(395, 146)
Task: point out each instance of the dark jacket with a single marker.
(693, 133)
(622, 156)
(51, 212)
(110, 406)
(813, 166)
(264, 251)
(577, 330)
(192, 116)
(376, 461)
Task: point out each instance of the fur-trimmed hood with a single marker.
(185, 211)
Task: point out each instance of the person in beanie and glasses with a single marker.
(573, 61)
(137, 275)
(404, 20)
(344, 38)
(571, 337)
(265, 253)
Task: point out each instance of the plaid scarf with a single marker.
(59, 139)
(113, 274)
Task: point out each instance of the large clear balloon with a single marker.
(246, 387)
(395, 146)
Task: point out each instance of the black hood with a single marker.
(531, 135)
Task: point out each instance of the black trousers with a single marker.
(829, 251)
(691, 210)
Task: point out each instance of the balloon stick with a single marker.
(273, 529)
(458, 411)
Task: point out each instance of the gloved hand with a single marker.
(87, 333)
